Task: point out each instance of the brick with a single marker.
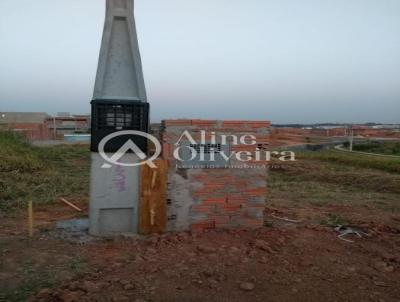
(166, 151)
(232, 207)
(209, 191)
(204, 123)
(254, 224)
(244, 131)
(236, 195)
(256, 191)
(229, 225)
(262, 138)
(241, 184)
(213, 186)
(179, 122)
(237, 148)
(236, 198)
(201, 195)
(218, 219)
(203, 209)
(170, 137)
(247, 221)
(234, 124)
(226, 179)
(214, 182)
(204, 191)
(259, 124)
(201, 226)
(220, 200)
(232, 197)
(200, 177)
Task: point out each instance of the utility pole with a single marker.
(54, 128)
(351, 138)
(119, 104)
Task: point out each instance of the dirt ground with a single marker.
(284, 261)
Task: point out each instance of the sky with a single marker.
(287, 61)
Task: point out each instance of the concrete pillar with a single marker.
(119, 72)
(114, 192)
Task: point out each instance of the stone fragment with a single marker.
(263, 245)
(206, 249)
(247, 286)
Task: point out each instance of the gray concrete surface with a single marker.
(114, 197)
(119, 73)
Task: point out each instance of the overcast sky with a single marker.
(279, 60)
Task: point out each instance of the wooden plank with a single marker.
(70, 204)
(30, 218)
(153, 198)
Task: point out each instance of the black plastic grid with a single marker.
(109, 116)
(120, 117)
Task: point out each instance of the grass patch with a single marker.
(333, 220)
(17, 155)
(40, 174)
(386, 164)
(379, 147)
(327, 178)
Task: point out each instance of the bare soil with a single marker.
(283, 261)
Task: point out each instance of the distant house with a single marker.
(42, 126)
(67, 124)
(29, 124)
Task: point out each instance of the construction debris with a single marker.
(344, 230)
(70, 204)
(286, 219)
(74, 230)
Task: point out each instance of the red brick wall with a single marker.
(201, 199)
(228, 198)
(31, 131)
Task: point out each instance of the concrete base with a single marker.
(114, 197)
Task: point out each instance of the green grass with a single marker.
(380, 147)
(387, 164)
(18, 155)
(333, 220)
(329, 178)
(40, 174)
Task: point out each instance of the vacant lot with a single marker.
(285, 261)
(332, 178)
(40, 174)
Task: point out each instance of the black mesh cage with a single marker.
(113, 116)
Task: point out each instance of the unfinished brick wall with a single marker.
(202, 198)
(31, 131)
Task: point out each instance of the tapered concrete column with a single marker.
(119, 72)
(114, 192)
